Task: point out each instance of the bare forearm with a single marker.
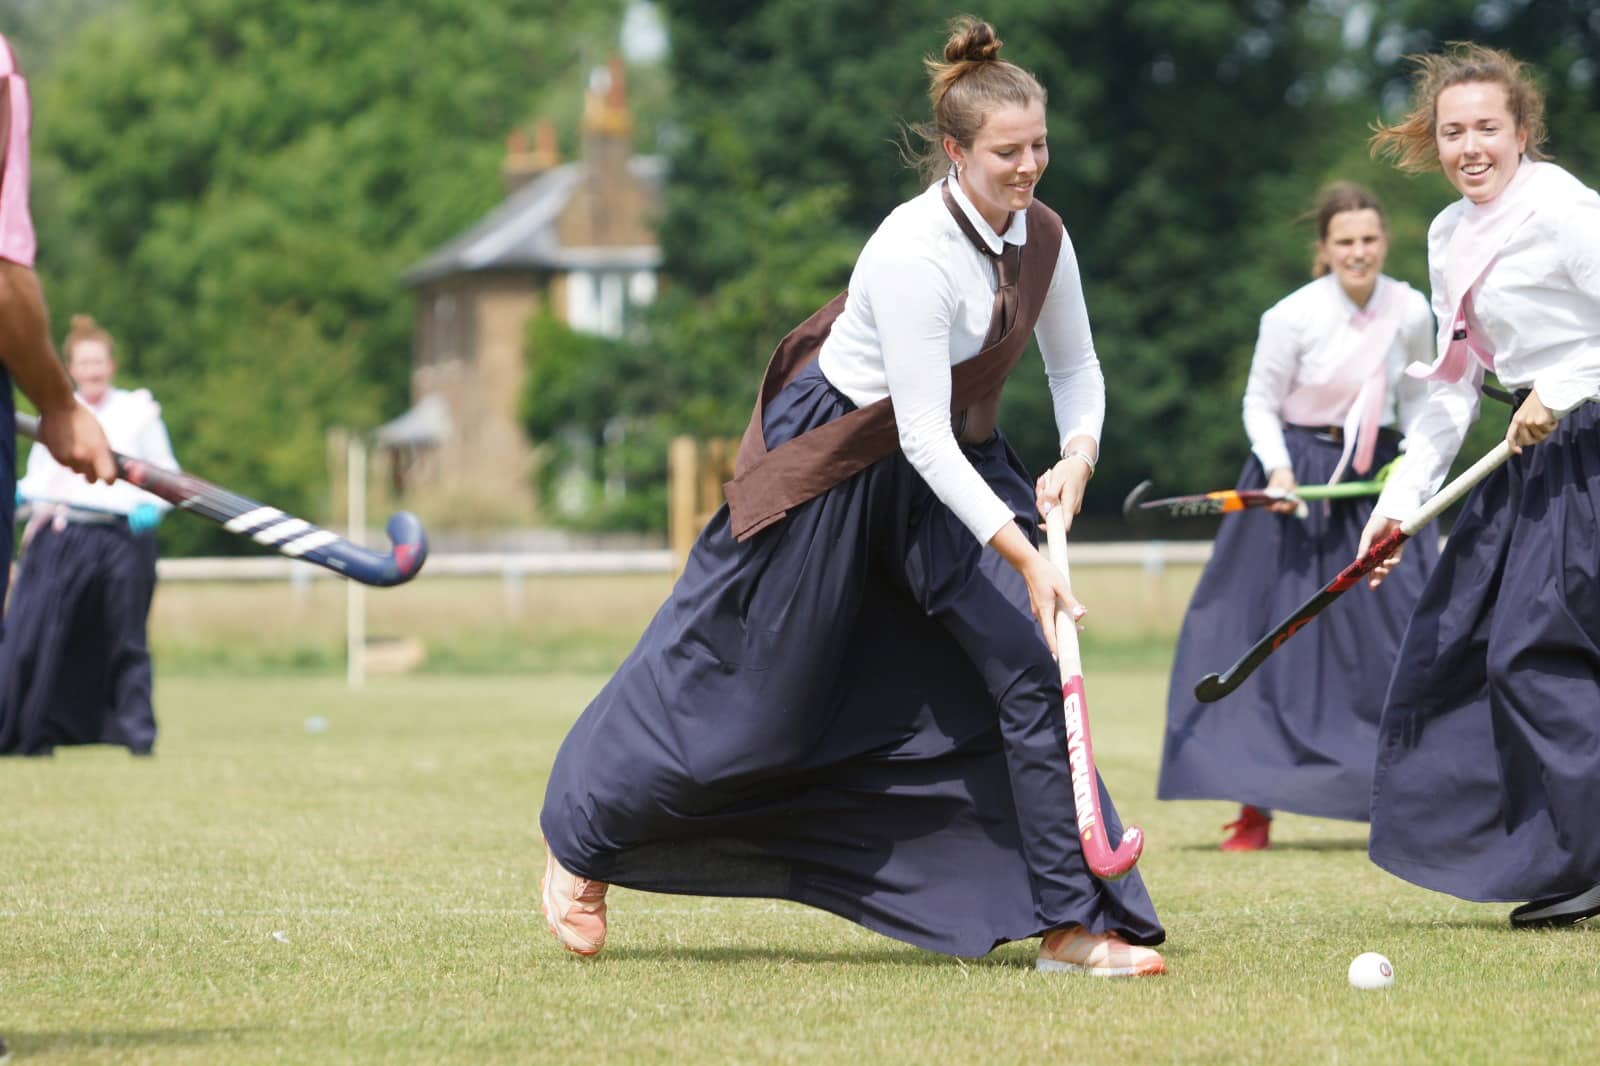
(25, 346)
(1015, 548)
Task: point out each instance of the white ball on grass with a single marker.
(316, 724)
(1371, 970)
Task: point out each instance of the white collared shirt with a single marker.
(1539, 308)
(132, 421)
(920, 301)
(1301, 338)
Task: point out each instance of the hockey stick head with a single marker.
(410, 542)
(1130, 504)
(1119, 863)
(1211, 688)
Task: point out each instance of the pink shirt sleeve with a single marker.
(16, 224)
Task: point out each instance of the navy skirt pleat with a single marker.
(1488, 774)
(853, 710)
(75, 664)
(1301, 733)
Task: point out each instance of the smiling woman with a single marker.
(1489, 747)
(988, 125)
(848, 700)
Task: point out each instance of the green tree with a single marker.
(233, 187)
(39, 30)
(1186, 136)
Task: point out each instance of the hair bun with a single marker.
(83, 324)
(971, 41)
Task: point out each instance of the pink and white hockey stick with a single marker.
(1104, 863)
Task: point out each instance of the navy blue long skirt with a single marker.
(1488, 774)
(853, 710)
(75, 665)
(1301, 733)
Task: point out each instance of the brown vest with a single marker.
(766, 484)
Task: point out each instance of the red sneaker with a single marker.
(574, 907)
(1249, 831)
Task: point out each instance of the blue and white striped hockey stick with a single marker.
(269, 526)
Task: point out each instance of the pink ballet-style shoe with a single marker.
(574, 907)
(1076, 950)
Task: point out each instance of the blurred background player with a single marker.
(1326, 393)
(76, 668)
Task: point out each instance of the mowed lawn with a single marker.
(366, 892)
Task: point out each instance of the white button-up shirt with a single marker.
(920, 301)
(1303, 336)
(132, 421)
(1539, 308)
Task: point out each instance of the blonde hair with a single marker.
(1336, 199)
(1410, 143)
(964, 87)
(85, 328)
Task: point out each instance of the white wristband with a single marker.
(1079, 453)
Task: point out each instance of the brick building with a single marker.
(577, 237)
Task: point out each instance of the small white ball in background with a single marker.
(1371, 970)
(316, 724)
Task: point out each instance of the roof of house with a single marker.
(520, 233)
(426, 423)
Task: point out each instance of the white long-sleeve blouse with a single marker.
(920, 301)
(1538, 306)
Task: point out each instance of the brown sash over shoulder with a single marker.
(767, 484)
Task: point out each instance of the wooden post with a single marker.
(683, 482)
(355, 610)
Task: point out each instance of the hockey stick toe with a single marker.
(1130, 504)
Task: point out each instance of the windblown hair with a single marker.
(1336, 199)
(964, 87)
(85, 328)
(1410, 143)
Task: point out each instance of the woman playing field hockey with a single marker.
(849, 700)
(1489, 753)
(75, 664)
(1325, 397)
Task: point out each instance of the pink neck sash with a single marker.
(1355, 392)
(1479, 236)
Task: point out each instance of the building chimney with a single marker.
(522, 165)
(605, 111)
(607, 149)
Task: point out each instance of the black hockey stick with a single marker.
(269, 526)
(1213, 687)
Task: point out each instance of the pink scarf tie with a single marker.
(1362, 368)
(1479, 236)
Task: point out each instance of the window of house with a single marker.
(447, 328)
(596, 302)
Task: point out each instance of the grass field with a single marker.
(259, 892)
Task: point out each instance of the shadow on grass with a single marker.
(756, 953)
(1344, 844)
(1500, 924)
(1005, 957)
(25, 1043)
